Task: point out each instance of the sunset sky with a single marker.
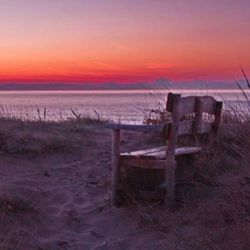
(123, 40)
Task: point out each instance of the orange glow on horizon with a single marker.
(89, 41)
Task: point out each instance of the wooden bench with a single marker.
(192, 116)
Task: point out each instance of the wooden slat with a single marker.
(198, 116)
(160, 152)
(154, 160)
(217, 121)
(187, 150)
(208, 104)
(146, 128)
(187, 105)
(145, 152)
(185, 127)
(206, 128)
(178, 151)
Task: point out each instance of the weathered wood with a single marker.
(169, 107)
(198, 116)
(188, 104)
(187, 150)
(208, 104)
(116, 171)
(206, 128)
(186, 128)
(146, 128)
(197, 119)
(159, 153)
(217, 120)
(170, 153)
(146, 152)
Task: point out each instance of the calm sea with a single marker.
(124, 106)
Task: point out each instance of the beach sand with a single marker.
(54, 198)
(62, 200)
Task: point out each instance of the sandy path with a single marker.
(63, 202)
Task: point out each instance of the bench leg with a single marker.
(170, 184)
(116, 168)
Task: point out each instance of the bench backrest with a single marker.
(193, 115)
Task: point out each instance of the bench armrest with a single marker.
(147, 128)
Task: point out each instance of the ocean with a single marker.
(126, 106)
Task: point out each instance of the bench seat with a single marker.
(153, 158)
(160, 152)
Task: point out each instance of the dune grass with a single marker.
(18, 137)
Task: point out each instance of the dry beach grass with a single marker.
(55, 188)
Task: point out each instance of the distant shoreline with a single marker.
(130, 91)
(157, 85)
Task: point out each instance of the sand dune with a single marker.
(51, 198)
